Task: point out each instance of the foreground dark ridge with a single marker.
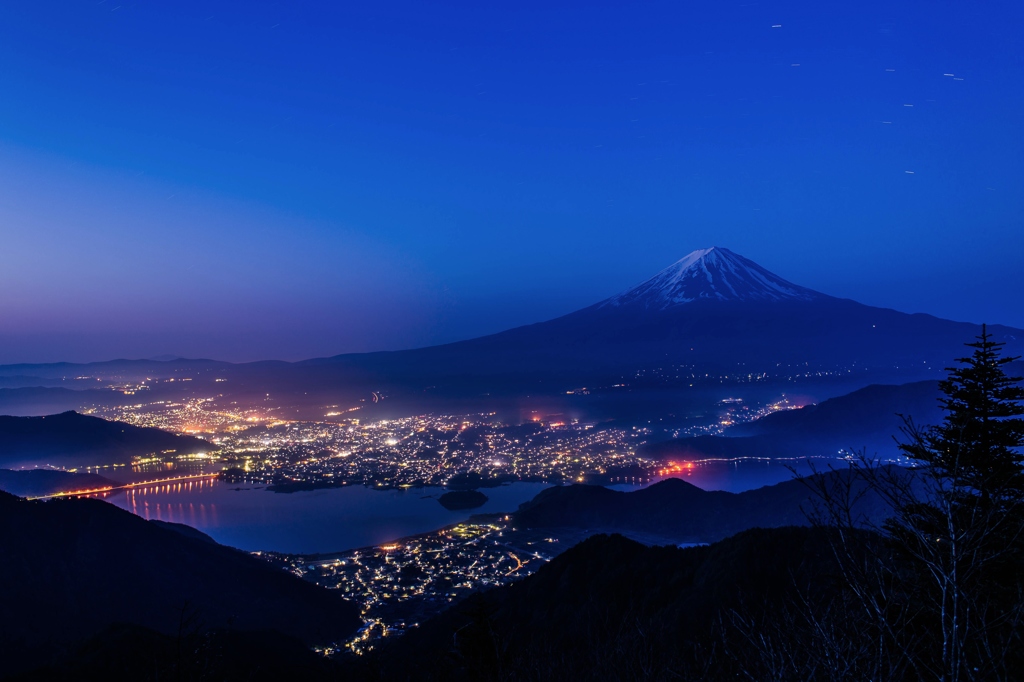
(82, 565)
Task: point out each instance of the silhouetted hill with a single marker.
(681, 512)
(182, 529)
(870, 410)
(866, 419)
(610, 608)
(462, 499)
(70, 439)
(38, 482)
(82, 565)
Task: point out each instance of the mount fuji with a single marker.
(709, 315)
(711, 274)
(712, 311)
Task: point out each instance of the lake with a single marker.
(737, 475)
(337, 519)
(327, 520)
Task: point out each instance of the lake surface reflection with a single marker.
(737, 475)
(337, 519)
(328, 520)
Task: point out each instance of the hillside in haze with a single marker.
(72, 439)
(866, 420)
(83, 565)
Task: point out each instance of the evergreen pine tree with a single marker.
(979, 444)
(961, 534)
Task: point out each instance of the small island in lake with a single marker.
(462, 499)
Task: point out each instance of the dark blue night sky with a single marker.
(286, 180)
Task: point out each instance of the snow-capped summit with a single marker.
(711, 274)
